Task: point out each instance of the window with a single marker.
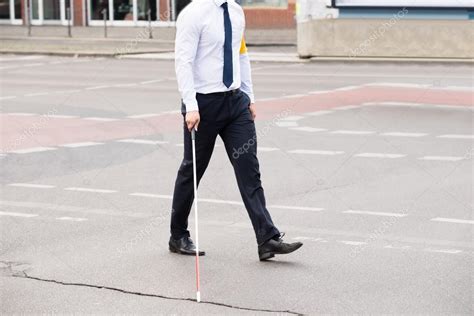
(51, 10)
(123, 10)
(96, 9)
(5, 9)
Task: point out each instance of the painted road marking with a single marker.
(32, 150)
(152, 81)
(302, 238)
(347, 107)
(451, 251)
(124, 85)
(318, 113)
(84, 144)
(310, 239)
(62, 116)
(89, 190)
(8, 97)
(36, 94)
(375, 213)
(397, 247)
(97, 87)
(348, 132)
(22, 114)
(140, 116)
(171, 112)
(291, 96)
(452, 220)
(74, 219)
(267, 148)
(352, 242)
(292, 118)
(221, 201)
(308, 129)
(286, 124)
(301, 208)
(379, 155)
(456, 136)
(403, 134)
(441, 158)
(347, 88)
(17, 214)
(32, 185)
(156, 196)
(422, 105)
(316, 152)
(101, 119)
(407, 85)
(400, 103)
(142, 141)
(75, 209)
(68, 91)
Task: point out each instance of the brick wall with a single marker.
(268, 17)
(77, 12)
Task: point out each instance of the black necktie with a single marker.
(228, 76)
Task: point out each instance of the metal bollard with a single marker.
(150, 30)
(28, 17)
(104, 13)
(68, 17)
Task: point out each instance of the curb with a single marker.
(467, 61)
(261, 58)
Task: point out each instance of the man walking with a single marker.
(214, 80)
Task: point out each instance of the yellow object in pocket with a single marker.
(243, 46)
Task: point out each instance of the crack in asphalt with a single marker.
(24, 275)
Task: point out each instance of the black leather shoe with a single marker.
(184, 246)
(276, 246)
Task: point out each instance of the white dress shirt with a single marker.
(199, 50)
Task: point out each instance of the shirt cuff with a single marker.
(252, 98)
(191, 106)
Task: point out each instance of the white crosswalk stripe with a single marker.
(441, 158)
(316, 152)
(379, 155)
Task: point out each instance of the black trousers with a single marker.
(228, 116)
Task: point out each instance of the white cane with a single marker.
(193, 141)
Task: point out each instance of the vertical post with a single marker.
(104, 13)
(150, 30)
(29, 15)
(68, 17)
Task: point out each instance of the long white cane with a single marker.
(193, 140)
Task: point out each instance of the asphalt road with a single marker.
(369, 164)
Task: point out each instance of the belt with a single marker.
(223, 93)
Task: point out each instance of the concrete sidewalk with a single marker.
(91, 41)
(270, 45)
(263, 37)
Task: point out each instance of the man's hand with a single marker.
(253, 111)
(192, 120)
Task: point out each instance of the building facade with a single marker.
(259, 13)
